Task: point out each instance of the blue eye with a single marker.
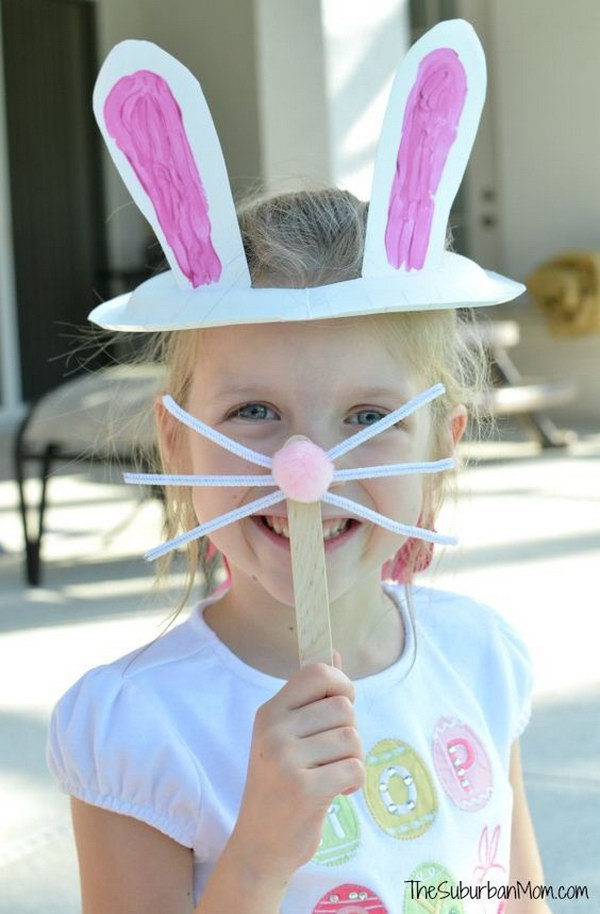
(366, 417)
(253, 412)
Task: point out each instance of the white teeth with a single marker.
(330, 531)
(279, 526)
(330, 528)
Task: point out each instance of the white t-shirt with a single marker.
(163, 735)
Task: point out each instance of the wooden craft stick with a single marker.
(310, 582)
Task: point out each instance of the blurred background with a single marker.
(297, 89)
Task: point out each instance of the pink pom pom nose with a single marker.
(302, 470)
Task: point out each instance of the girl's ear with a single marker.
(458, 422)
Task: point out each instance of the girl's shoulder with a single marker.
(477, 645)
(459, 622)
(178, 647)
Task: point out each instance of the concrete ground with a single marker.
(529, 523)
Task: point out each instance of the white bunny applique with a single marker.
(490, 872)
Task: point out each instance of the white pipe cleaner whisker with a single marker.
(210, 526)
(431, 536)
(228, 443)
(391, 419)
(394, 469)
(173, 479)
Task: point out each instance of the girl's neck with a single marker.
(367, 629)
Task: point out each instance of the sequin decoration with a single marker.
(462, 764)
(350, 899)
(341, 834)
(426, 876)
(399, 789)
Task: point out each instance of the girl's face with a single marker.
(262, 383)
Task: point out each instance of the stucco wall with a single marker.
(545, 73)
(216, 42)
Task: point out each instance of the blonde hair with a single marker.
(315, 237)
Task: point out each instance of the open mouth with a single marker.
(334, 529)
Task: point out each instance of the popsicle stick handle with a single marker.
(310, 582)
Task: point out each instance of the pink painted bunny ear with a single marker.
(159, 131)
(427, 135)
(426, 139)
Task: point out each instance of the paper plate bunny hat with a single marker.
(159, 131)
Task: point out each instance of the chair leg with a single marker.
(543, 428)
(33, 543)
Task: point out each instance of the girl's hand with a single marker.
(305, 751)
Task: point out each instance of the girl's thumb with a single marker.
(337, 659)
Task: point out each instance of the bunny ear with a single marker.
(494, 843)
(427, 135)
(484, 850)
(160, 133)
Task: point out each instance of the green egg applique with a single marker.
(399, 790)
(428, 889)
(341, 834)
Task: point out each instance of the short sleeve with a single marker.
(110, 745)
(517, 673)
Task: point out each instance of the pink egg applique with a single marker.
(350, 899)
(462, 764)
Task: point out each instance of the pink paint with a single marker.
(145, 120)
(468, 756)
(429, 129)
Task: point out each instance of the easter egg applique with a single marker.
(462, 764)
(341, 834)
(399, 790)
(429, 889)
(350, 899)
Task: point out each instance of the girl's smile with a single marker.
(336, 531)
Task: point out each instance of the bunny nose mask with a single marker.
(301, 471)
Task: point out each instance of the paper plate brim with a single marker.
(160, 304)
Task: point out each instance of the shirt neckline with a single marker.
(364, 685)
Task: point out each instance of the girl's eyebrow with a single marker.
(399, 394)
(237, 390)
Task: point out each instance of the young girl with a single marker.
(207, 772)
